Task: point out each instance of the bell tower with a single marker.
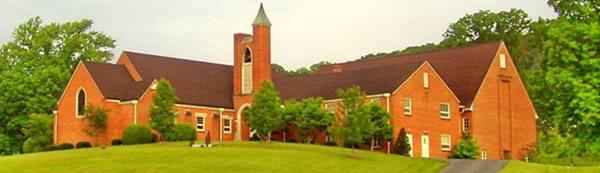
(251, 66)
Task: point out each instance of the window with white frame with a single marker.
(445, 111)
(446, 139)
(502, 61)
(407, 106)
(330, 107)
(227, 125)
(483, 155)
(200, 121)
(465, 124)
(426, 80)
(377, 141)
(329, 138)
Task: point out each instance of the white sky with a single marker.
(303, 32)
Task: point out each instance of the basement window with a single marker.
(446, 142)
(200, 121)
(502, 61)
(227, 125)
(445, 111)
(426, 80)
(407, 106)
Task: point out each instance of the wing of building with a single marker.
(436, 96)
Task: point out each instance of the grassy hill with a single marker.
(227, 157)
(520, 166)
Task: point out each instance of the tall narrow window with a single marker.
(407, 106)
(227, 125)
(80, 106)
(247, 72)
(426, 80)
(465, 125)
(200, 121)
(483, 155)
(446, 142)
(502, 61)
(445, 111)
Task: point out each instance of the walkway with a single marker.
(475, 166)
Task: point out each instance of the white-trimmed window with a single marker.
(80, 103)
(200, 122)
(483, 155)
(407, 106)
(329, 138)
(377, 141)
(465, 124)
(330, 107)
(502, 61)
(426, 80)
(445, 110)
(226, 125)
(446, 141)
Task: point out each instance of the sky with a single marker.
(302, 32)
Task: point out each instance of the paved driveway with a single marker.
(475, 166)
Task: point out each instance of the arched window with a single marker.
(80, 105)
(247, 56)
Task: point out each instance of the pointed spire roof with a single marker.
(261, 17)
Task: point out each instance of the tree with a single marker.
(380, 118)
(96, 121)
(38, 132)
(162, 113)
(300, 71)
(356, 126)
(265, 115)
(466, 148)
(402, 145)
(36, 65)
(579, 10)
(312, 119)
(291, 111)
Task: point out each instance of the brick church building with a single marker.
(435, 96)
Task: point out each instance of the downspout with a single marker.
(134, 102)
(221, 124)
(387, 98)
(55, 112)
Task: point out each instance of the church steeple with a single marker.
(261, 17)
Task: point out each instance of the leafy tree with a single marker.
(300, 71)
(38, 132)
(466, 148)
(291, 111)
(265, 115)
(380, 119)
(312, 119)
(162, 113)
(578, 10)
(36, 65)
(402, 145)
(356, 126)
(96, 118)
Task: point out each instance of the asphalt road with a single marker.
(475, 166)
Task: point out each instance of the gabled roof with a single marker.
(195, 82)
(383, 79)
(462, 68)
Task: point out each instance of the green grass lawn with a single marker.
(227, 157)
(520, 166)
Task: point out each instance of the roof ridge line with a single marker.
(176, 58)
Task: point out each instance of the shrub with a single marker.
(64, 146)
(50, 148)
(255, 137)
(331, 143)
(466, 148)
(116, 142)
(402, 145)
(38, 132)
(7, 145)
(30, 145)
(291, 141)
(154, 138)
(181, 132)
(83, 144)
(137, 134)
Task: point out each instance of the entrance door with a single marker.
(425, 146)
(410, 143)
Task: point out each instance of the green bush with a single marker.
(38, 132)
(254, 137)
(466, 148)
(181, 132)
(83, 144)
(30, 146)
(50, 148)
(116, 142)
(137, 134)
(7, 145)
(64, 146)
(331, 143)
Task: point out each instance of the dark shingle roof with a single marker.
(462, 68)
(195, 82)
